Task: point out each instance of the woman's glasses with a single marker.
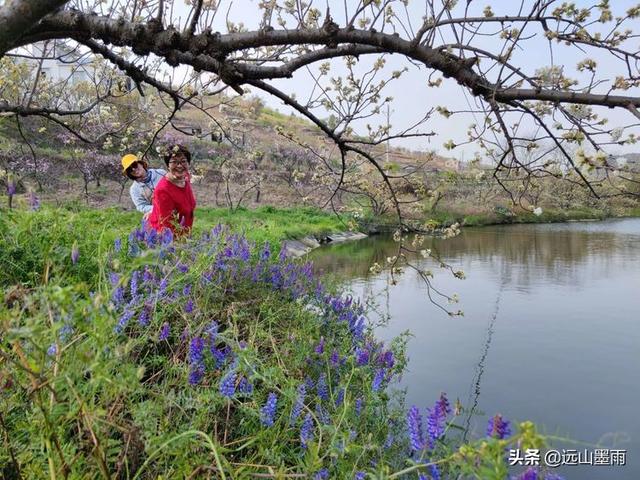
(179, 162)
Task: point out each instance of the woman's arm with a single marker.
(141, 202)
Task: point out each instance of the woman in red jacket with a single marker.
(173, 199)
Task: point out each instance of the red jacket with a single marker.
(173, 207)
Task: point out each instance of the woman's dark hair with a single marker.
(174, 150)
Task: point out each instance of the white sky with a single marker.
(411, 96)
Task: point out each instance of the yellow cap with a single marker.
(128, 160)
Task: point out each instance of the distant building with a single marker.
(61, 62)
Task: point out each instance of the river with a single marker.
(550, 332)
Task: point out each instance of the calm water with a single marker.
(551, 331)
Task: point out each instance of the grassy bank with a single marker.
(444, 218)
(37, 245)
(125, 356)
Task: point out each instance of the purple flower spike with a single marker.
(196, 373)
(195, 350)
(377, 379)
(414, 428)
(530, 473)
(306, 431)
(297, 407)
(334, 360)
(498, 427)
(436, 418)
(188, 307)
(164, 331)
(321, 475)
(11, 188)
(268, 411)
(321, 387)
(320, 347)
(228, 384)
(245, 387)
(359, 476)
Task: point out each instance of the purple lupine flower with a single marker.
(358, 406)
(319, 349)
(114, 279)
(299, 403)
(245, 387)
(340, 397)
(34, 201)
(118, 296)
(322, 414)
(334, 360)
(266, 252)
(162, 288)
(498, 427)
(387, 359)
(117, 245)
(182, 267)
(166, 237)
(75, 253)
(358, 328)
(186, 290)
(436, 418)
(188, 307)
(377, 379)
(359, 476)
(306, 431)
(196, 373)
(362, 356)
(309, 383)
(321, 387)
(228, 384)
(195, 350)
(52, 350)
(147, 275)
(321, 474)
(11, 188)
(164, 331)
(414, 428)
(268, 411)
(145, 315)
(219, 354)
(434, 473)
(134, 283)
(530, 473)
(124, 320)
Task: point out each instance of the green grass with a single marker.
(548, 216)
(270, 223)
(35, 246)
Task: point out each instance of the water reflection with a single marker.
(550, 333)
(474, 391)
(521, 254)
